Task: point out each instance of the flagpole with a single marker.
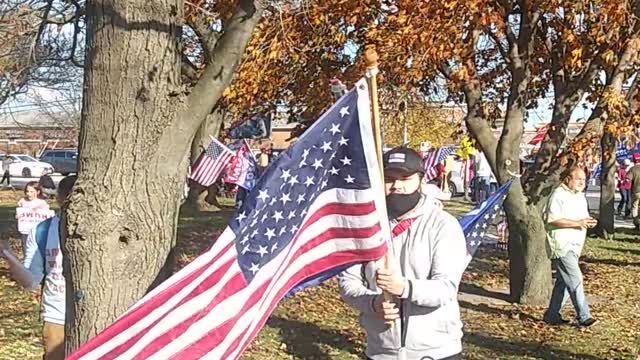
(371, 60)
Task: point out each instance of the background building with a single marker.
(30, 132)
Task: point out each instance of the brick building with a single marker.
(29, 132)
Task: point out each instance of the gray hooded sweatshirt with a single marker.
(429, 249)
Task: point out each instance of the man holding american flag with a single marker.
(429, 255)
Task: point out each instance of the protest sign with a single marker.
(28, 218)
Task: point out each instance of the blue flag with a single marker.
(475, 224)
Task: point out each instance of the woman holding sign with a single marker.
(31, 210)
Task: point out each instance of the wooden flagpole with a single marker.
(371, 60)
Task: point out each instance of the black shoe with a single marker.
(560, 321)
(587, 323)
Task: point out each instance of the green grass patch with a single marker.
(316, 324)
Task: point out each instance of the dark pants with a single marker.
(452, 357)
(7, 177)
(482, 188)
(241, 194)
(625, 202)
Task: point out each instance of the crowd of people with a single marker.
(41, 266)
(629, 187)
(409, 307)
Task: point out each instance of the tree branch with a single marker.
(592, 130)
(219, 72)
(501, 49)
(632, 88)
(208, 37)
(188, 70)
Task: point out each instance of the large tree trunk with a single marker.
(122, 217)
(606, 219)
(529, 271)
(136, 129)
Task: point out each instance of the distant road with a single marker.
(593, 199)
(20, 182)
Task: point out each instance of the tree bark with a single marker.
(606, 219)
(118, 230)
(529, 271)
(122, 215)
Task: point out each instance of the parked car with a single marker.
(23, 165)
(64, 161)
(455, 181)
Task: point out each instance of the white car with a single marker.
(27, 166)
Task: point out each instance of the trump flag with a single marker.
(243, 170)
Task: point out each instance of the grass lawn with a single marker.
(315, 324)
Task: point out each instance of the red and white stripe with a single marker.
(208, 311)
(207, 170)
(430, 165)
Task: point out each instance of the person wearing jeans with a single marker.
(483, 179)
(624, 187)
(568, 282)
(567, 220)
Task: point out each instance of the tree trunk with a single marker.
(606, 219)
(529, 271)
(122, 216)
(209, 128)
(541, 180)
(118, 229)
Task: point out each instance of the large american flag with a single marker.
(434, 158)
(476, 223)
(211, 163)
(317, 209)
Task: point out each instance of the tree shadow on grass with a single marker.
(480, 291)
(305, 340)
(630, 235)
(611, 262)
(522, 348)
(632, 252)
(485, 308)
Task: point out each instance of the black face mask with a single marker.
(400, 204)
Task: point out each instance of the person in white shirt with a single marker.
(32, 201)
(483, 177)
(567, 220)
(43, 265)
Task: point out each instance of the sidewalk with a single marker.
(593, 198)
